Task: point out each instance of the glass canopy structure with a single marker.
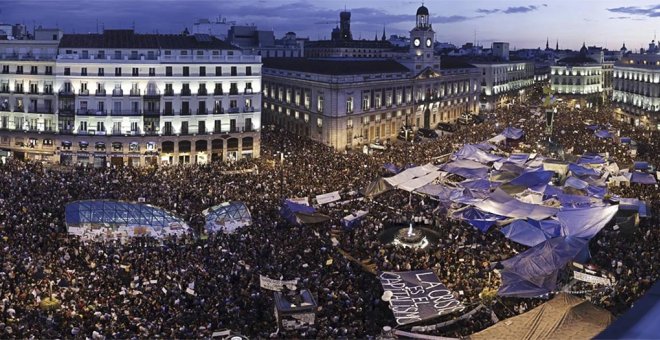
(118, 219)
(227, 217)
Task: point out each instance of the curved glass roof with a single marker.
(227, 216)
(117, 214)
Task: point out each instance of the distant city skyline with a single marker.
(524, 24)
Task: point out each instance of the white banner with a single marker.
(276, 285)
(591, 278)
(328, 198)
(300, 200)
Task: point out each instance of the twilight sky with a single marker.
(523, 23)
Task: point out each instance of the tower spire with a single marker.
(547, 42)
(383, 37)
(557, 45)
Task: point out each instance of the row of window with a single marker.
(185, 71)
(135, 55)
(48, 70)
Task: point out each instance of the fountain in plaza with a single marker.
(409, 236)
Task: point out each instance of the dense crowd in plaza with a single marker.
(138, 288)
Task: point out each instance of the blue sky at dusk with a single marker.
(524, 23)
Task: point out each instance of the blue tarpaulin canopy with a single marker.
(591, 158)
(466, 168)
(576, 183)
(440, 192)
(524, 233)
(603, 134)
(585, 223)
(640, 322)
(626, 140)
(518, 158)
(478, 184)
(471, 152)
(512, 133)
(641, 165)
(642, 178)
(534, 272)
(297, 214)
(634, 204)
(552, 228)
(581, 171)
(391, 168)
(502, 204)
(477, 218)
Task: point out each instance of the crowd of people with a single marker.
(196, 284)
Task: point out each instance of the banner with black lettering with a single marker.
(417, 295)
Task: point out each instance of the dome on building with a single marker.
(422, 10)
(583, 50)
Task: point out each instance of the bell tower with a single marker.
(422, 38)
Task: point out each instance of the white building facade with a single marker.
(637, 90)
(126, 98)
(504, 82)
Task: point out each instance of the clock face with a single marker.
(429, 42)
(416, 42)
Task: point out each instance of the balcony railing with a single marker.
(4, 90)
(248, 91)
(117, 93)
(217, 92)
(185, 92)
(66, 93)
(83, 92)
(233, 92)
(185, 112)
(125, 113)
(168, 93)
(233, 110)
(134, 93)
(202, 111)
(248, 109)
(41, 109)
(167, 112)
(148, 112)
(19, 109)
(152, 94)
(100, 93)
(218, 110)
(91, 112)
(202, 92)
(66, 110)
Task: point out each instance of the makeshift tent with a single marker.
(485, 146)
(564, 317)
(581, 171)
(298, 214)
(500, 203)
(524, 233)
(635, 205)
(413, 178)
(527, 180)
(376, 188)
(295, 310)
(640, 165)
(576, 183)
(227, 217)
(552, 228)
(478, 184)
(625, 140)
(466, 168)
(585, 223)
(354, 219)
(497, 139)
(642, 178)
(478, 219)
(603, 134)
(116, 219)
(640, 322)
(467, 196)
(440, 192)
(471, 152)
(533, 272)
(512, 133)
(590, 158)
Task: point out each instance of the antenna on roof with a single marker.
(97, 25)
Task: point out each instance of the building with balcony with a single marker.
(579, 78)
(347, 103)
(637, 90)
(503, 82)
(126, 98)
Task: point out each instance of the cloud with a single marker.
(520, 9)
(651, 11)
(487, 11)
(618, 18)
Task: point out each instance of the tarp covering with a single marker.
(512, 133)
(642, 178)
(518, 158)
(497, 139)
(500, 203)
(527, 180)
(440, 192)
(576, 183)
(478, 184)
(552, 228)
(485, 146)
(635, 205)
(352, 220)
(391, 168)
(471, 152)
(466, 168)
(585, 223)
(534, 272)
(478, 219)
(625, 140)
(640, 322)
(467, 196)
(413, 178)
(524, 233)
(641, 165)
(581, 171)
(227, 217)
(603, 134)
(376, 188)
(556, 166)
(117, 219)
(564, 317)
(590, 158)
(298, 214)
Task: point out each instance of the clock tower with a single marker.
(422, 38)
